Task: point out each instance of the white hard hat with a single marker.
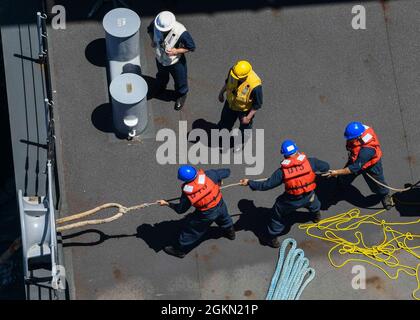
(164, 21)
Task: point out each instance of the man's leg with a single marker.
(227, 118)
(246, 135)
(276, 225)
(378, 173)
(162, 77)
(314, 206)
(180, 75)
(224, 221)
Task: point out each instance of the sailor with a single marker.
(244, 97)
(171, 41)
(297, 172)
(365, 157)
(200, 189)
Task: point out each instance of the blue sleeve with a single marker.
(364, 156)
(183, 205)
(275, 180)
(186, 41)
(319, 165)
(218, 175)
(257, 97)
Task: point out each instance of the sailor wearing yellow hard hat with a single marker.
(244, 97)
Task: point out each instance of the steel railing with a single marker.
(52, 172)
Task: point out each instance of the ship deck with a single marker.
(318, 74)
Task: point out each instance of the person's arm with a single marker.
(221, 93)
(364, 156)
(186, 44)
(217, 175)
(275, 180)
(181, 207)
(247, 119)
(257, 101)
(319, 165)
(223, 90)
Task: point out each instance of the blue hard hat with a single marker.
(186, 173)
(354, 130)
(288, 147)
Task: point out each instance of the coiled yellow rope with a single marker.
(381, 255)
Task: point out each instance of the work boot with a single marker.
(174, 252)
(273, 243)
(230, 233)
(180, 102)
(387, 202)
(317, 217)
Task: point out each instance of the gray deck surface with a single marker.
(318, 74)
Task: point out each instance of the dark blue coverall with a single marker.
(177, 70)
(287, 203)
(375, 171)
(229, 116)
(199, 221)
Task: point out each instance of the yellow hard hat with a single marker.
(241, 69)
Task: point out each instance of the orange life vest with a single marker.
(202, 192)
(368, 139)
(298, 176)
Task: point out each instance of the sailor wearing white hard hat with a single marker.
(171, 41)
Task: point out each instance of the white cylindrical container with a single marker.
(122, 34)
(129, 101)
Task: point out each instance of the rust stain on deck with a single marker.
(117, 273)
(411, 160)
(214, 248)
(248, 293)
(161, 120)
(385, 9)
(376, 282)
(205, 257)
(311, 245)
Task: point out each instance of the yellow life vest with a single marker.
(238, 95)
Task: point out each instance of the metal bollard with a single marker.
(122, 41)
(129, 104)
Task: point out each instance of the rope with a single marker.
(287, 282)
(391, 188)
(381, 255)
(397, 190)
(122, 210)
